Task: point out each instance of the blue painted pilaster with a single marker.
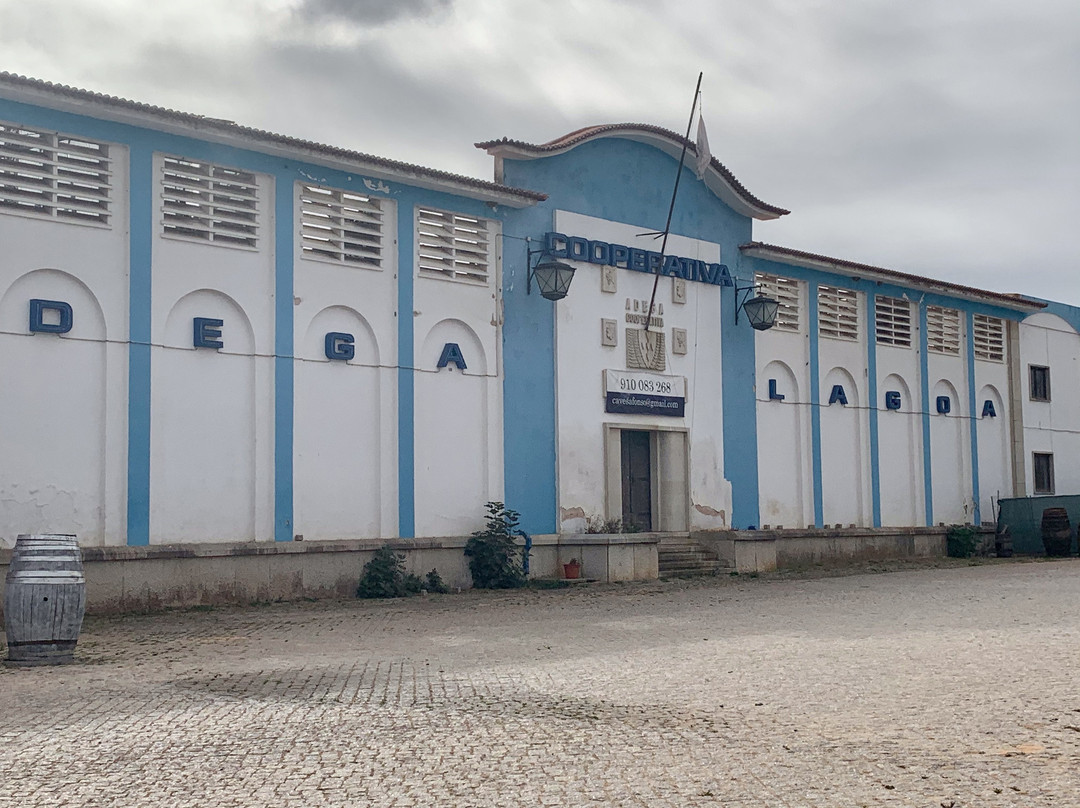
(872, 400)
(283, 357)
(406, 377)
(815, 404)
(973, 413)
(141, 239)
(924, 378)
(739, 360)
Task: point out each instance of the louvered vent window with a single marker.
(838, 313)
(989, 338)
(892, 321)
(786, 292)
(942, 330)
(206, 202)
(341, 226)
(453, 246)
(54, 176)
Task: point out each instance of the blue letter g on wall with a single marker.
(339, 345)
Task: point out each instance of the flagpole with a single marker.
(674, 191)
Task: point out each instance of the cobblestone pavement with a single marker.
(953, 686)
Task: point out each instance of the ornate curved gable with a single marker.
(718, 178)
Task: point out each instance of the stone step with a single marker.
(675, 562)
(695, 553)
(681, 558)
(692, 571)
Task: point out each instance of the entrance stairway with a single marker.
(680, 557)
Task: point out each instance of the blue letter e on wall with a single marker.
(207, 332)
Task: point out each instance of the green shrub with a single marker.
(434, 583)
(384, 576)
(961, 541)
(495, 560)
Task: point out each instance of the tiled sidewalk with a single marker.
(957, 685)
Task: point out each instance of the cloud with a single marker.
(936, 138)
(371, 12)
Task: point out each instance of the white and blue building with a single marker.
(213, 334)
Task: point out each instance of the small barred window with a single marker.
(341, 226)
(838, 313)
(54, 176)
(210, 203)
(453, 246)
(989, 338)
(943, 330)
(784, 291)
(892, 321)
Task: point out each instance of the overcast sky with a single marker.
(930, 136)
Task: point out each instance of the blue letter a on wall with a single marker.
(451, 353)
(838, 394)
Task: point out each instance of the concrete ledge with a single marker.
(129, 579)
(768, 550)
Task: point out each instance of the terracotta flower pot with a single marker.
(572, 570)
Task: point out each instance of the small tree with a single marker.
(384, 576)
(495, 560)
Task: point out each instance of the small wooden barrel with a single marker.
(1056, 532)
(44, 600)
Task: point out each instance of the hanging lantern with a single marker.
(761, 311)
(553, 278)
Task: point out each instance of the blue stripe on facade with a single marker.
(872, 402)
(529, 405)
(406, 374)
(141, 227)
(283, 356)
(815, 404)
(973, 412)
(739, 372)
(924, 378)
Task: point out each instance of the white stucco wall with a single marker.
(458, 413)
(950, 436)
(845, 443)
(785, 473)
(1052, 426)
(993, 434)
(900, 436)
(63, 407)
(212, 430)
(584, 466)
(345, 482)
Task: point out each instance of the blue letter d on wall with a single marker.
(64, 318)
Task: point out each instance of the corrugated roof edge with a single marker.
(579, 136)
(1014, 301)
(262, 136)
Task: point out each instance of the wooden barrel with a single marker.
(44, 600)
(1056, 532)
